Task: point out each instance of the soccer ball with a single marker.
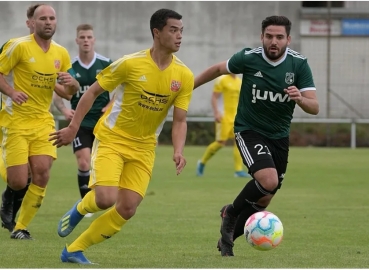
(263, 230)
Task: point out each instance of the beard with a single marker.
(46, 36)
(274, 56)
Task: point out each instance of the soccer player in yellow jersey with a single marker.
(148, 83)
(224, 102)
(35, 62)
(11, 199)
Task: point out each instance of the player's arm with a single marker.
(304, 93)
(179, 133)
(9, 58)
(59, 104)
(60, 92)
(211, 73)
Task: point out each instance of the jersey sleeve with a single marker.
(218, 85)
(184, 97)
(10, 56)
(236, 64)
(66, 62)
(305, 77)
(112, 76)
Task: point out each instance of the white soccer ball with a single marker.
(263, 230)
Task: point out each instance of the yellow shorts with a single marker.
(121, 166)
(224, 131)
(20, 144)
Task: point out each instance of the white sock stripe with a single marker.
(245, 152)
(262, 190)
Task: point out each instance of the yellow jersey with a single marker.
(143, 96)
(229, 88)
(33, 72)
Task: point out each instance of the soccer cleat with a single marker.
(241, 174)
(224, 250)
(73, 257)
(69, 221)
(200, 168)
(226, 230)
(6, 212)
(21, 234)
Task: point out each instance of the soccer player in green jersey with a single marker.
(86, 65)
(275, 79)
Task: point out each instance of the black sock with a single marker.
(18, 198)
(83, 178)
(8, 193)
(250, 194)
(243, 216)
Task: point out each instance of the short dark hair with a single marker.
(31, 10)
(277, 20)
(159, 19)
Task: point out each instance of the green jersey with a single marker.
(86, 76)
(263, 106)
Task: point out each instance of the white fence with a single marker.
(353, 123)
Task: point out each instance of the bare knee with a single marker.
(127, 203)
(17, 177)
(83, 164)
(267, 178)
(105, 197)
(83, 159)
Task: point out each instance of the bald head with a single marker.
(44, 20)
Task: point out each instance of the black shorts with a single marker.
(84, 139)
(259, 152)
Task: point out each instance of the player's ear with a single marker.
(28, 23)
(77, 41)
(156, 32)
(288, 40)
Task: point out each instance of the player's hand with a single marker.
(68, 114)
(218, 117)
(19, 97)
(64, 78)
(180, 162)
(63, 137)
(294, 93)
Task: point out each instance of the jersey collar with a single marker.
(271, 62)
(89, 65)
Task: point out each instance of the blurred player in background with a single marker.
(86, 66)
(35, 62)
(148, 84)
(224, 102)
(12, 199)
(275, 79)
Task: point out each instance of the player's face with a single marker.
(44, 22)
(85, 41)
(170, 36)
(30, 26)
(275, 41)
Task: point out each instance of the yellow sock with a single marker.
(30, 205)
(210, 151)
(88, 204)
(237, 159)
(101, 229)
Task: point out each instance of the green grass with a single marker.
(323, 206)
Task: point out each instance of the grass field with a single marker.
(323, 206)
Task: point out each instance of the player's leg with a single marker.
(15, 158)
(220, 139)
(257, 157)
(106, 168)
(279, 149)
(134, 181)
(19, 195)
(82, 146)
(238, 164)
(41, 156)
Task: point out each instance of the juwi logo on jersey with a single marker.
(268, 95)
